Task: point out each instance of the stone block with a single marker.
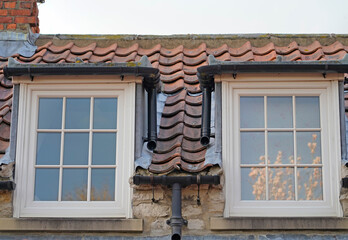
(192, 210)
(5, 210)
(5, 196)
(195, 224)
(145, 210)
(160, 226)
(146, 196)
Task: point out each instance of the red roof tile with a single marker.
(104, 51)
(178, 146)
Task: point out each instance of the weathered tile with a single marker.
(60, 49)
(196, 51)
(82, 50)
(104, 51)
(218, 51)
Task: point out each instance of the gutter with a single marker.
(207, 73)
(143, 68)
(7, 185)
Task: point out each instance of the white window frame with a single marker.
(330, 145)
(24, 205)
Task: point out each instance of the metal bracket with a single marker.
(234, 75)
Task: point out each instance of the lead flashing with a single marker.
(12, 43)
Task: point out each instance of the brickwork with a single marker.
(19, 15)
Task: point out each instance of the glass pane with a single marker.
(105, 113)
(281, 147)
(252, 147)
(281, 183)
(279, 112)
(48, 149)
(46, 184)
(76, 148)
(310, 184)
(103, 185)
(307, 112)
(104, 149)
(308, 147)
(50, 113)
(77, 113)
(74, 185)
(252, 112)
(253, 183)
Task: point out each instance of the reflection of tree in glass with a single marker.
(80, 194)
(280, 180)
(102, 194)
(257, 174)
(311, 188)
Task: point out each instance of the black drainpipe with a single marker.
(151, 88)
(177, 183)
(7, 185)
(207, 86)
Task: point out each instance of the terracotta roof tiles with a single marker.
(104, 51)
(178, 146)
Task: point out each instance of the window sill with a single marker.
(71, 225)
(278, 223)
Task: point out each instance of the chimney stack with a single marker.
(19, 16)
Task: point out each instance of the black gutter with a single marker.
(143, 68)
(7, 185)
(207, 73)
(278, 66)
(177, 183)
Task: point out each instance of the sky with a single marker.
(162, 17)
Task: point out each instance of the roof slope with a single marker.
(178, 144)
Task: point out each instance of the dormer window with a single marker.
(280, 136)
(76, 138)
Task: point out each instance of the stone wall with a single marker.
(5, 204)
(156, 213)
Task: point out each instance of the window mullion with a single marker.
(266, 147)
(90, 150)
(61, 152)
(295, 147)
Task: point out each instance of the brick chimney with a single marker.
(19, 15)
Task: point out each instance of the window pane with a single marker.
(76, 148)
(46, 184)
(307, 112)
(74, 185)
(50, 113)
(251, 112)
(104, 149)
(103, 185)
(253, 183)
(281, 147)
(48, 149)
(279, 112)
(252, 147)
(308, 147)
(281, 184)
(105, 113)
(77, 113)
(310, 185)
